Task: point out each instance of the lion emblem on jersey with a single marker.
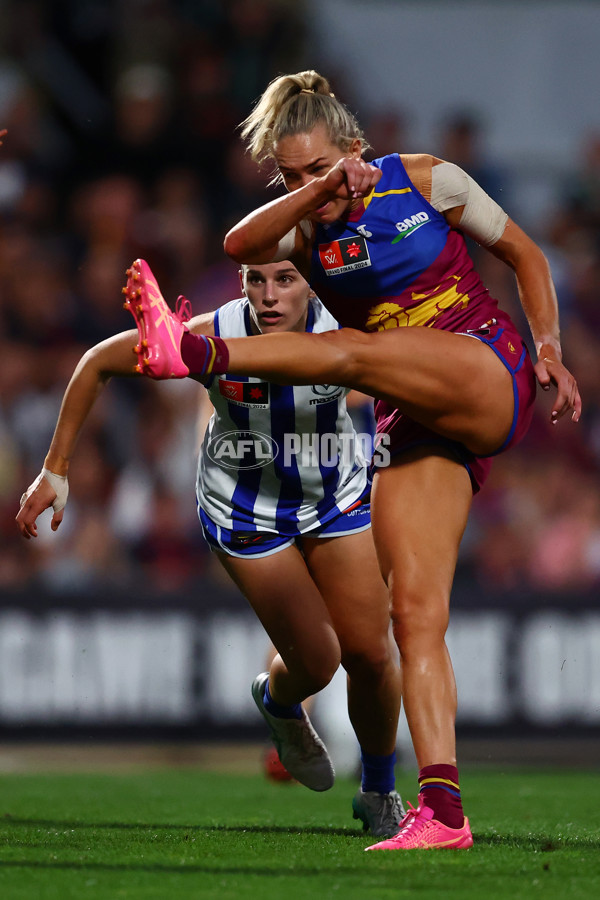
(386, 315)
(426, 309)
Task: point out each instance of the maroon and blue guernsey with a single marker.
(396, 262)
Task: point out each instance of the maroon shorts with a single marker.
(404, 433)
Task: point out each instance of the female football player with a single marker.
(287, 514)
(383, 245)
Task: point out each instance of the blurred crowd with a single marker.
(122, 143)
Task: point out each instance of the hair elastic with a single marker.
(311, 91)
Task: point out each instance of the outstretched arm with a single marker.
(538, 299)
(114, 356)
(111, 357)
(468, 208)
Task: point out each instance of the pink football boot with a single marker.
(420, 831)
(159, 328)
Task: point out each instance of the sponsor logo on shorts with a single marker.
(344, 255)
(359, 511)
(248, 538)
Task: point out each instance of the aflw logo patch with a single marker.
(344, 255)
(244, 393)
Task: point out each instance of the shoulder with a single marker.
(226, 317)
(419, 167)
(230, 319)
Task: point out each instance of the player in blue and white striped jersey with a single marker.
(283, 499)
(278, 461)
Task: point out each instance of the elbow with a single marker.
(234, 247)
(546, 263)
(237, 246)
(541, 262)
(530, 256)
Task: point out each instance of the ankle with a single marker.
(439, 789)
(204, 355)
(278, 710)
(378, 772)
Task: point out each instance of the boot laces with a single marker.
(411, 818)
(183, 309)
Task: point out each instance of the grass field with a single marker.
(172, 834)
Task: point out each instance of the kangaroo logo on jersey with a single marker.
(409, 225)
(254, 395)
(344, 255)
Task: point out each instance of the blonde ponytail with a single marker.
(296, 104)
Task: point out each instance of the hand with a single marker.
(39, 496)
(550, 370)
(351, 178)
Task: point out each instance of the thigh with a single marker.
(287, 601)
(451, 383)
(420, 506)
(349, 579)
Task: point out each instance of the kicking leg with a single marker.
(451, 383)
(448, 382)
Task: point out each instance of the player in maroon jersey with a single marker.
(383, 245)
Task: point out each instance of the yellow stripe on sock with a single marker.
(439, 781)
(212, 356)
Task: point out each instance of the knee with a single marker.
(370, 664)
(320, 673)
(317, 671)
(419, 619)
(311, 655)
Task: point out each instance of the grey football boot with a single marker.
(300, 748)
(381, 814)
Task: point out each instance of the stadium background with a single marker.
(122, 143)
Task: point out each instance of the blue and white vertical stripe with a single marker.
(292, 492)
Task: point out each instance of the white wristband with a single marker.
(60, 485)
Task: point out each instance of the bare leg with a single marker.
(420, 508)
(450, 383)
(347, 574)
(286, 600)
(273, 655)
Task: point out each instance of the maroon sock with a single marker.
(441, 792)
(204, 355)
